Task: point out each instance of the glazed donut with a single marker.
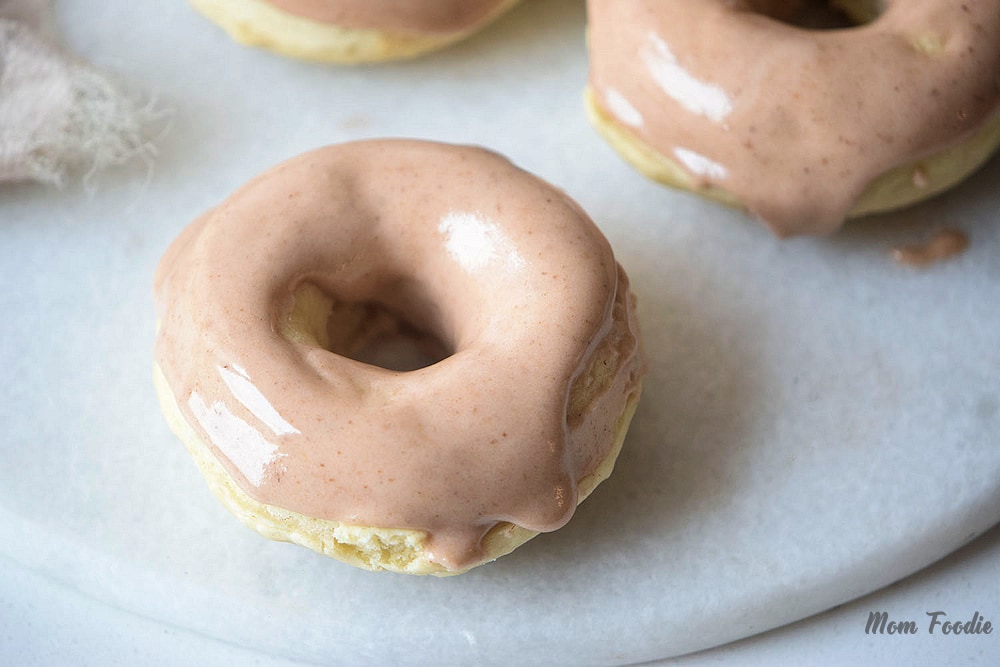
(268, 302)
(803, 128)
(351, 31)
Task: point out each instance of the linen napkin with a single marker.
(59, 115)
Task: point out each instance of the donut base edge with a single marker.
(258, 24)
(646, 160)
(332, 538)
(376, 549)
(897, 188)
(902, 186)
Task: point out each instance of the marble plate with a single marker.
(817, 422)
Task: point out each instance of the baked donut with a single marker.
(351, 31)
(268, 303)
(803, 128)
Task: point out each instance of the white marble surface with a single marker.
(44, 624)
(817, 423)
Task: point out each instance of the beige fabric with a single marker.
(58, 115)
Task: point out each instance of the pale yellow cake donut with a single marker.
(899, 187)
(802, 128)
(367, 547)
(261, 24)
(267, 303)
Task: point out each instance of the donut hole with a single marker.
(373, 334)
(368, 331)
(819, 14)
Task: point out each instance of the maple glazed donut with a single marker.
(268, 302)
(803, 128)
(351, 31)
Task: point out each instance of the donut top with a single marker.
(505, 270)
(404, 16)
(795, 123)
